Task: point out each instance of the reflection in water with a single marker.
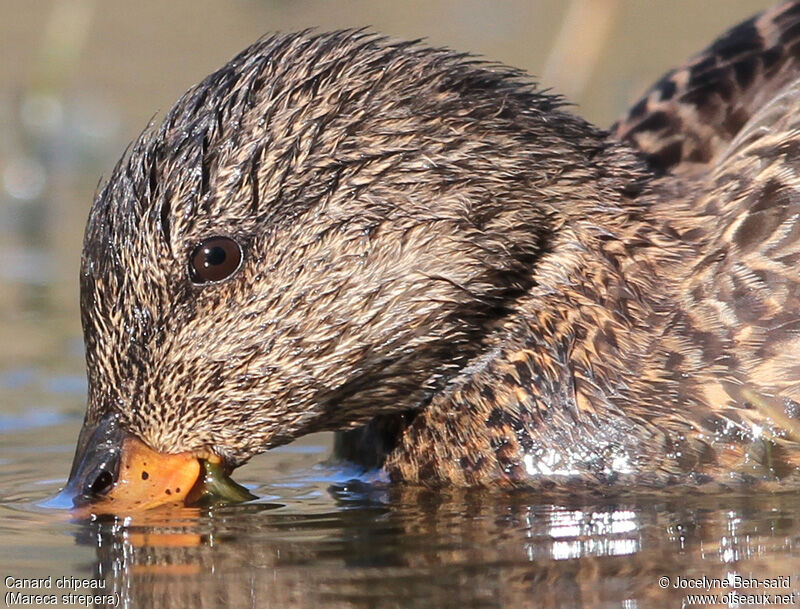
(408, 548)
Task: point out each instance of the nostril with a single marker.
(102, 483)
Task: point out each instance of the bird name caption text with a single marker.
(66, 590)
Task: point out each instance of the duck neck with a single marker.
(573, 320)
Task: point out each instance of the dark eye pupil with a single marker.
(214, 255)
(214, 259)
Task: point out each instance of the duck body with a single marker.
(665, 352)
(669, 364)
(482, 287)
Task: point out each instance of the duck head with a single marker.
(327, 229)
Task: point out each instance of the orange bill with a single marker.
(115, 472)
(147, 479)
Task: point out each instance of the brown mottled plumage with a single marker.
(694, 111)
(505, 293)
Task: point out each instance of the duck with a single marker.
(433, 257)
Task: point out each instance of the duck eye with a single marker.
(215, 259)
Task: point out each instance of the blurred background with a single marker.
(81, 78)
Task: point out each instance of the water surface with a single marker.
(317, 537)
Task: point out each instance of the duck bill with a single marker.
(115, 472)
